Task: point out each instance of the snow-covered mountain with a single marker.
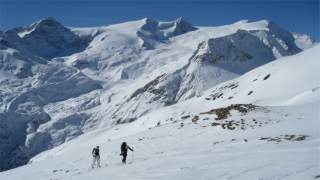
(202, 138)
(48, 38)
(57, 83)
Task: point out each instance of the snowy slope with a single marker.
(58, 83)
(196, 140)
(291, 80)
(275, 143)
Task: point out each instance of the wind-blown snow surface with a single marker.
(196, 140)
(58, 83)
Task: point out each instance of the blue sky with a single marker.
(294, 15)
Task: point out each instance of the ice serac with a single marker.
(48, 38)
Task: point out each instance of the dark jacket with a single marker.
(124, 149)
(95, 152)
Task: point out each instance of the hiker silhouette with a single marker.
(124, 151)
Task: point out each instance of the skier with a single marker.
(96, 157)
(124, 151)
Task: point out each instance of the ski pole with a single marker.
(132, 154)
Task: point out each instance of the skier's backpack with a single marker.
(123, 147)
(95, 152)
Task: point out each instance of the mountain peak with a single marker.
(180, 20)
(183, 23)
(153, 31)
(282, 33)
(266, 21)
(48, 19)
(147, 20)
(242, 21)
(270, 24)
(48, 38)
(48, 22)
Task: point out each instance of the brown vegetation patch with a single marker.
(224, 112)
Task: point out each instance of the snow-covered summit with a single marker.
(153, 30)
(48, 38)
(242, 21)
(47, 24)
